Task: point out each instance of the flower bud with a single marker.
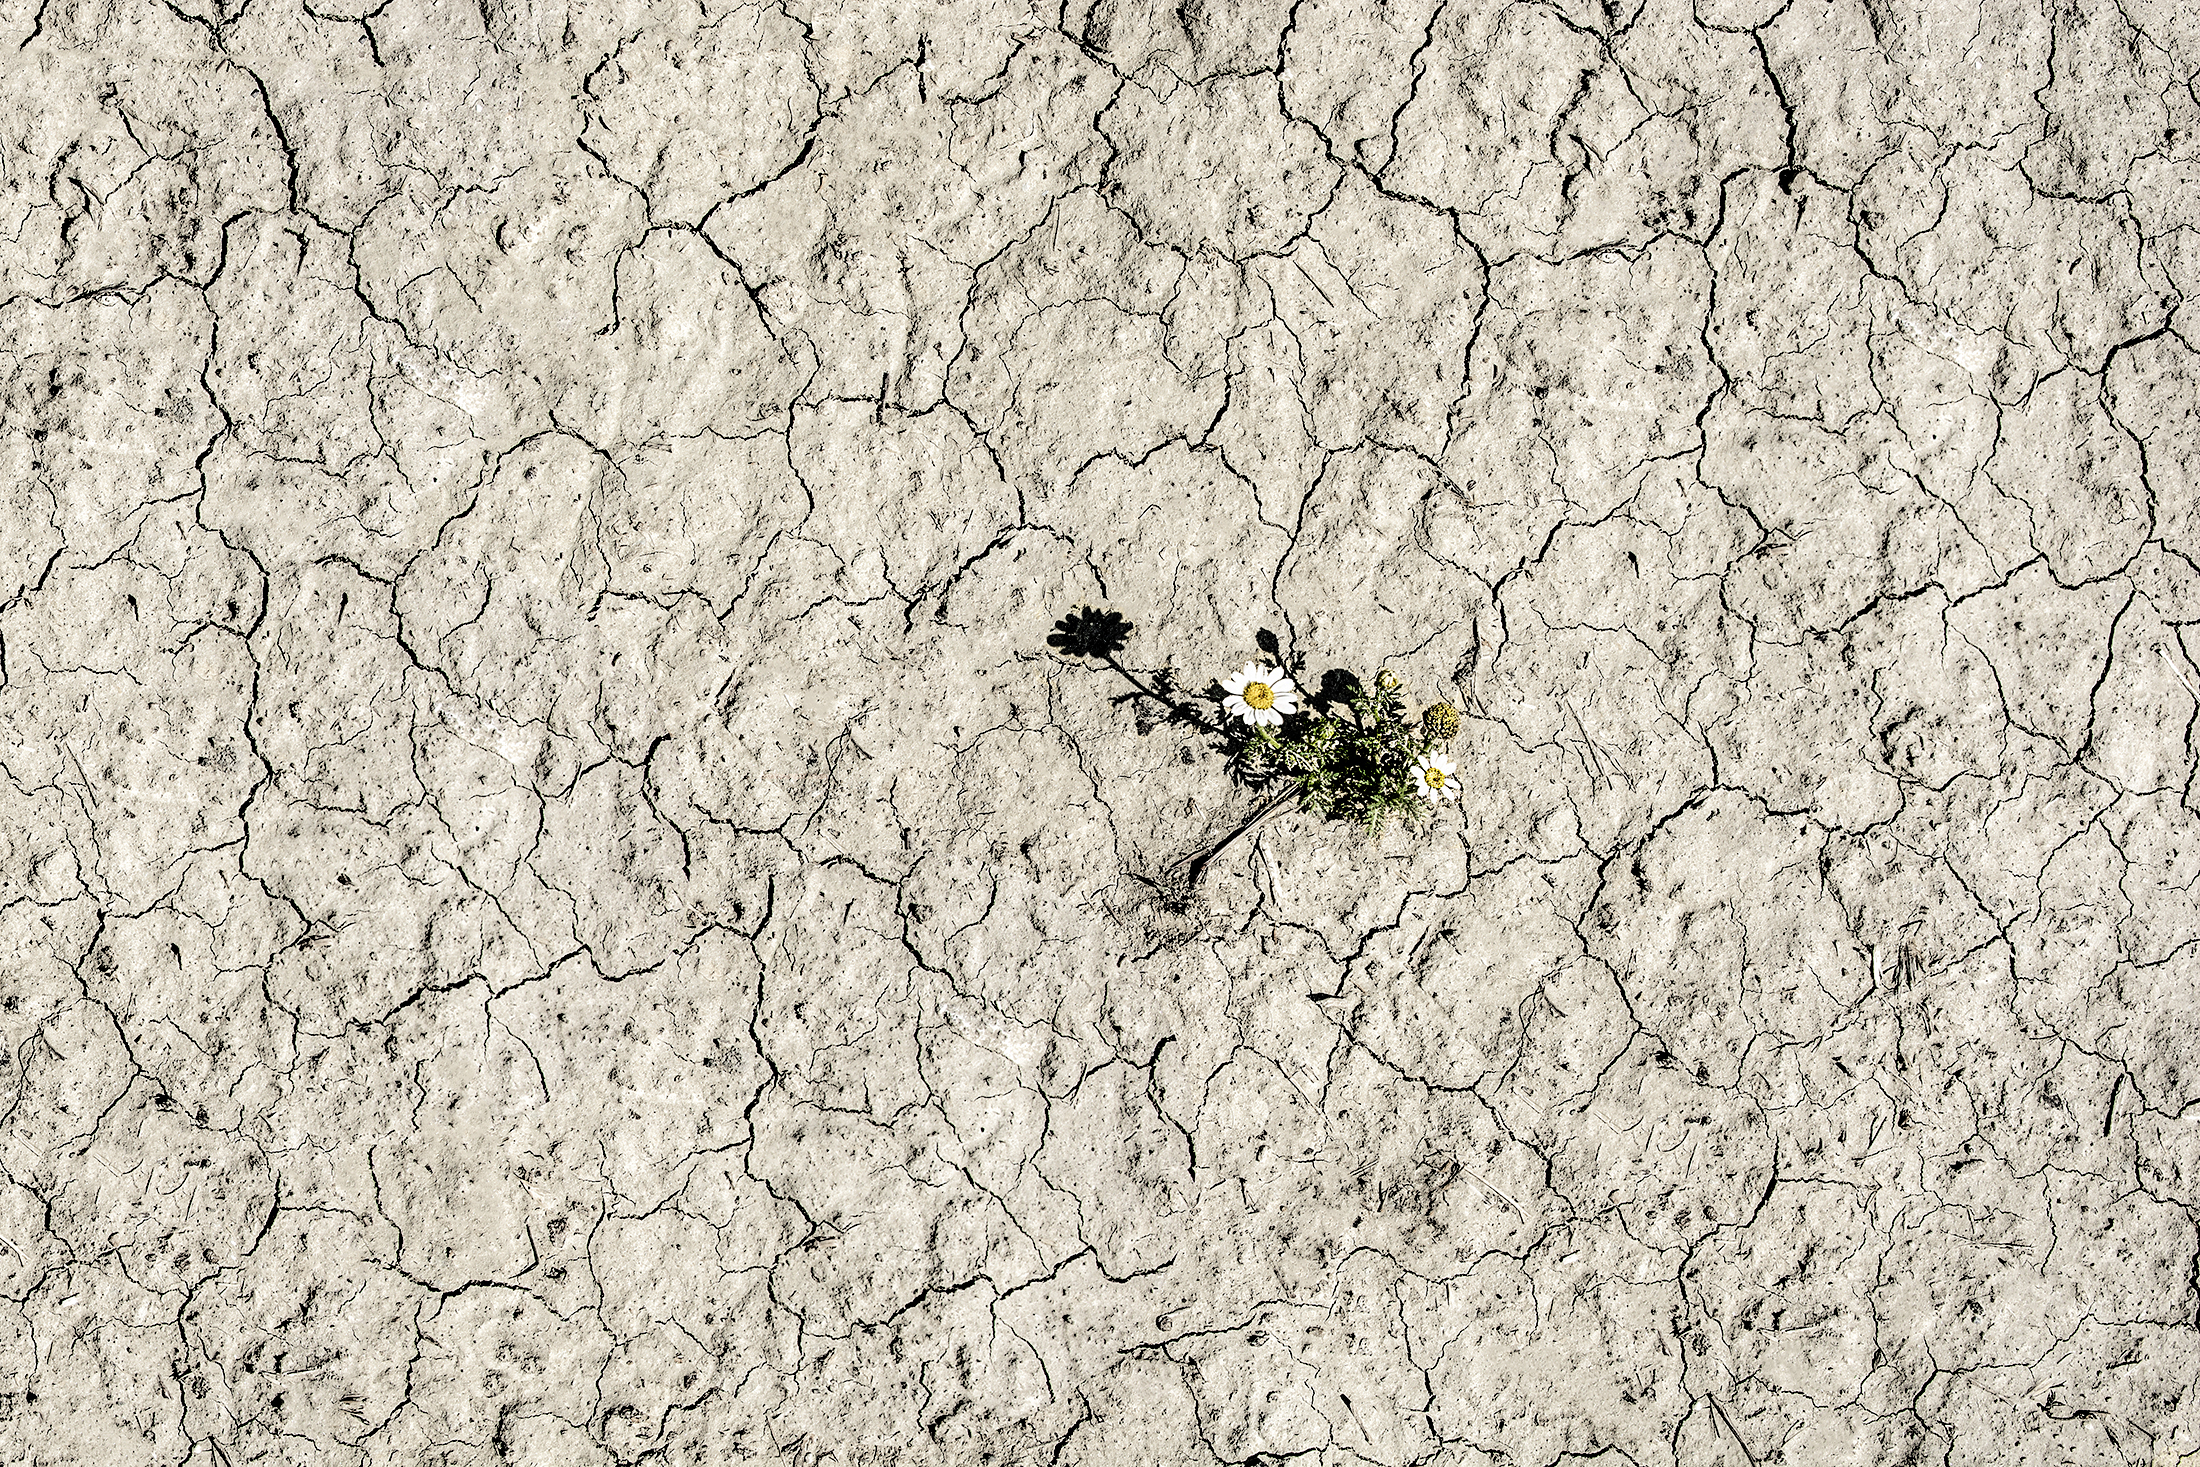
(1440, 721)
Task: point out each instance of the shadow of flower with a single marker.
(1089, 633)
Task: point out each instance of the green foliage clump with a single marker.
(1353, 759)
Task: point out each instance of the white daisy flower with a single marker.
(1260, 695)
(1436, 777)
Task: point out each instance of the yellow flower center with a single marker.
(1434, 777)
(1259, 695)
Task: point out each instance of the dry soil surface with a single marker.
(558, 909)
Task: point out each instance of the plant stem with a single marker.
(1198, 866)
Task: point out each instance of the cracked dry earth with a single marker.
(558, 910)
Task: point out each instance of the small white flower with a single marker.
(1260, 695)
(1435, 776)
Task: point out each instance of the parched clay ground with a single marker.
(557, 908)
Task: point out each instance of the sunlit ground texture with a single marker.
(557, 906)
